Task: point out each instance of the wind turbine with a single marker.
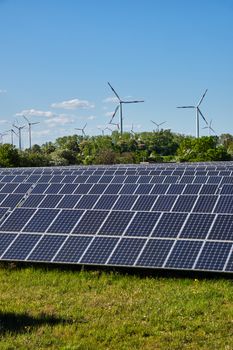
(121, 102)
(198, 111)
(19, 133)
(132, 131)
(158, 125)
(1, 137)
(12, 131)
(82, 129)
(30, 130)
(209, 127)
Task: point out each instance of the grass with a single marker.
(55, 309)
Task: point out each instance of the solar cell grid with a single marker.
(65, 221)
(17, 219)
(197, 226)
(98, 189)
(113, 188)
(192, 189)
(99, 250)
(205, 204)
(144, 202)
(169, 225)
(164, 203)
(222, 228)
(8, 188)
(213, 256)
(116, 223)
(12, 200)
(50, 201)
(142, 224)
(87, 201)
(155, 253)
(125, 202)
(21, 247)
(72, 249)
(46, 248)
(184, 254)
(69, 201)
(143, 188)
(82, 188)
(41, 220)
(127, 251)
(68, 188)
(5, 240)
(224, 204)
(90, 222)
(184, 203)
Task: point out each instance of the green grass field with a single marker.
(56, 309)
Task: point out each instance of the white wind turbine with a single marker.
(30, 130)
(198, 111)
(209, 127)
(158, 125)
(82, 130)
(121, 102)
(19, 128)
(12, 131)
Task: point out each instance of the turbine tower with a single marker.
(198, 111)
(19, 128)
(158, 125)
(30, 130)
(12, 131)
(82, 129)
(1, 137)
(121, 102)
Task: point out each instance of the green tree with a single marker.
(9, 156)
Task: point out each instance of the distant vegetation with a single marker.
(161, 146)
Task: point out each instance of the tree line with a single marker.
(160, 146)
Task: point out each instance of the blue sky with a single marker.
(57, 56)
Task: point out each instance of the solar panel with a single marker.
(164, 216)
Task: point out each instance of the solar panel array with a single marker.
(171, 216)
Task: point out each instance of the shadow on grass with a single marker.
(23, 323)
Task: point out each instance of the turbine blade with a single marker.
(202, 98)
(199, 111)
(116, 109)
(154, 123)
(162, 123)
(35, 123)
(84, 126)
(139, 101)
(186, 107)
(114, 91)
(25, 118)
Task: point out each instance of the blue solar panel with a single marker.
(192, 189)
(116, 223)
(224, 205)
(12, 200)
(65, 221)
(5, 241)
(87, 201)
(222, 228)
(142, 224)
(184, 203)
(144, 189)
(22, 188)
(69, 201)
(169, 225)
(90, 222)
(144, 202)
(21, 247)
(17, 219)
(98, 189)
(159, 188)
(53, 188)
(9, 187)
(106, 202)
(113, 189)
(41, 220)
(205, 204)
(68, 188)
(99, 250)
(184, 254)
(50, 201)
(176, 189)
(83, 188)
(46, 248)
(155, 253)
(93, 179)
(197, 226)
(128, 188)
(164, 203)
(40, 188)
(127, 251)
(73, 248)
(33, 200)
(209, 189)
(213, 256)
(125, 202)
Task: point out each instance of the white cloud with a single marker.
(41, 132)
(36, 113)
(4, 121)
(3, 91)
(73, 104)
(91, 117)
(112, 99)
(61, 119)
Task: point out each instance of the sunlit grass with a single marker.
(55, 309)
